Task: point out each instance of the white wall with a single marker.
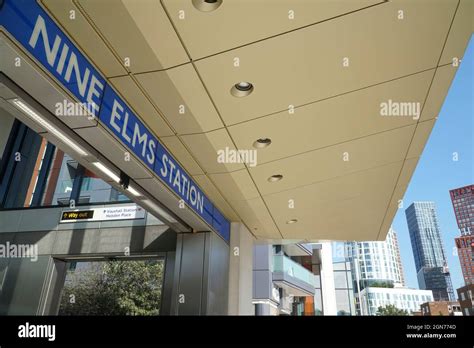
(327, 280)
(240, 271)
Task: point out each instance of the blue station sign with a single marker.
(32, 27)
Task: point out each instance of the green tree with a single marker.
(381, 284)
(390, 309)
(114, 288)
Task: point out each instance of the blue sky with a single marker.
(437, 173)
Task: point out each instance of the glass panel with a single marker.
(286, 265)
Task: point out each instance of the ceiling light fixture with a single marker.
(207, 5)
(243, 86)
(134, 192)
(275, 178)
(262, 143)
(292, 221)
(22, 106)
(161, 212)
(107, 171)
(241, 89)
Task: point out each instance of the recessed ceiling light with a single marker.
(241, 89)
(275, 178)
(292, 221)
(243, 86)
(262, 143)
(207, 5)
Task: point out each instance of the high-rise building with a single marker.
(377, 261)
(430, 257)
(463, 205)
(375, 264)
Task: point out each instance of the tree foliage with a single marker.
(381, 284)
(390, 309)
(113, 288)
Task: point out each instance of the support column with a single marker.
(241, 270)
(201, 271)
(262, 280)
(327, 280)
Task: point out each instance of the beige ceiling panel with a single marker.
(236, 186)
(460, 33)
(335, 161)
(85, 36)
(287, 70)
(205, 148)
(238, 22)
(332, 121)
(438, 91)
(172, 89)
(396, 202)
(256, 217)
(176, 147)
(422, 133)
(139, 102)
(329, 224)
(139, 31)
(213, 193)
(344, 208)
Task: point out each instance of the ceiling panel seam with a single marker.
(99, 33)
(109, 45)
(71, 37)
(176, 31)
(336, 144)
(289, 31)
(335, 177)
(334, 96)
(218, 113)
(310, 103)
(418, 122)
(151, 71)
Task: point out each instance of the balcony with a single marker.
(300, 249)
(293, 277)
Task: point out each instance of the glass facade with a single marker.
(343, 287)
(428, 251)
(377, 261)
(34, 173)
(425, 235)
(438, 280)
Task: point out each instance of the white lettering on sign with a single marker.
(143, 140)
(89, 86)
(179, 181)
